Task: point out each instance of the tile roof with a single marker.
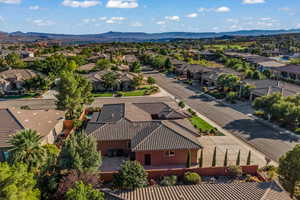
(18, 74)
(144, 135)
(289, 68)
(233, 191)
(13, 120)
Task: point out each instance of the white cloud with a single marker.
(11, 1)
(253, 1)
(161, 22)
(136, 24)
(232, 20)
(115, 20)
(89, 20)
(41, 22)
(172, 18)
(298, 25)
(80, 4)
(1, 19)
(36, 7)
(222, 9)
(285, 9)
(265, 19)
(192, 15)
(102, 18)
(122, 4)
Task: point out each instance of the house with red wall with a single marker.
(152, 133)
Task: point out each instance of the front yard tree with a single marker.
(201, 159)
(84, 192)
(103, 64)
(110, 80)
(214, 160)
(17, 183)
(289, 170)
(26, 148)
(238, 159)
(79, 152)
(189, 160)
(151, 80)
(132, 175)
(73, 92)
(135, 67)
(249, 158)
(226, 158)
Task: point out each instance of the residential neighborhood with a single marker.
(167, 109)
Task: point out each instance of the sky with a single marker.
(98, 16)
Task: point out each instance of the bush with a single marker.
(231, 97)
(297, 131)
(235, 171)
(119, 94)
(193, 113)
(259, 113)
(191, 178)
(151, 80)
(181, 104)
(169, 181)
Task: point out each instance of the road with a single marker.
(263, 138)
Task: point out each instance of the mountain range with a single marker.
(132, 36)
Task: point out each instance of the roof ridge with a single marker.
(180, 134)
(15, 118)
(144, 139)
(267, 191)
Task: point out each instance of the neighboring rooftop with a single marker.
(18, 74)
(295, 69)
(233, 191)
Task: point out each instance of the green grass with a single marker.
(200, 124)
(138, 92)
(106, 94)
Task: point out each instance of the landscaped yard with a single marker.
(138, 92)
(204, 127)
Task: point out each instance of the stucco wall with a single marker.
(160, 158)
(104, 146)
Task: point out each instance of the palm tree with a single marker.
(27, 148)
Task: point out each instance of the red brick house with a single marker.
(158, 141)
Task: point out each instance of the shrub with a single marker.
(231, 97)
(26, 107)
(132, 175)
(169, 181)
(151, 80)
(297, 131)
(119, 94)
(259, 113)
(181, 104)
(235, 171)
(191, 178)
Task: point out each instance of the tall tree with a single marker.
(17, 183)
(289, 170)
(189, 160)
(238, 159)
(226, 158)
(73, 92)
(26, 148)
(201, 159)
(80, 152)
(249, 158)
(214, 161)
(84, 192)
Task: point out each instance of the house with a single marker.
(210, 78)
(130, 59)
(48, 123)
(191, 71)
(291, 72)
(268, 87)
(12, 80)
(146, 132)
(27, 54)
(123, 82)
(222, 191)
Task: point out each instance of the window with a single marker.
(170, 153)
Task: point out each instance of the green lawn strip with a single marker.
(106, 94)
(201, 124)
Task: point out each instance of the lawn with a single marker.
(201, 124)
(106, 94)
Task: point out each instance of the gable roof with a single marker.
(232, 191)
(144, 135)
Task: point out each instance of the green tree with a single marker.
(249, 158)
(135, 67)
(214, 161)
(201, 159)
(26, 148)
(14, 60)
(84, 192)
(189, 160)
(132, 175)
(16, 183)
(110, 80)
(238, 159)
(289, 169)
(73, 92)
(226, 158)
(80, 152)
(168, 64)
(71, 66)
(151, 80)
(103, 64)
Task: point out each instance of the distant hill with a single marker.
(134, 36)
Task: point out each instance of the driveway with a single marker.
(261, 137)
